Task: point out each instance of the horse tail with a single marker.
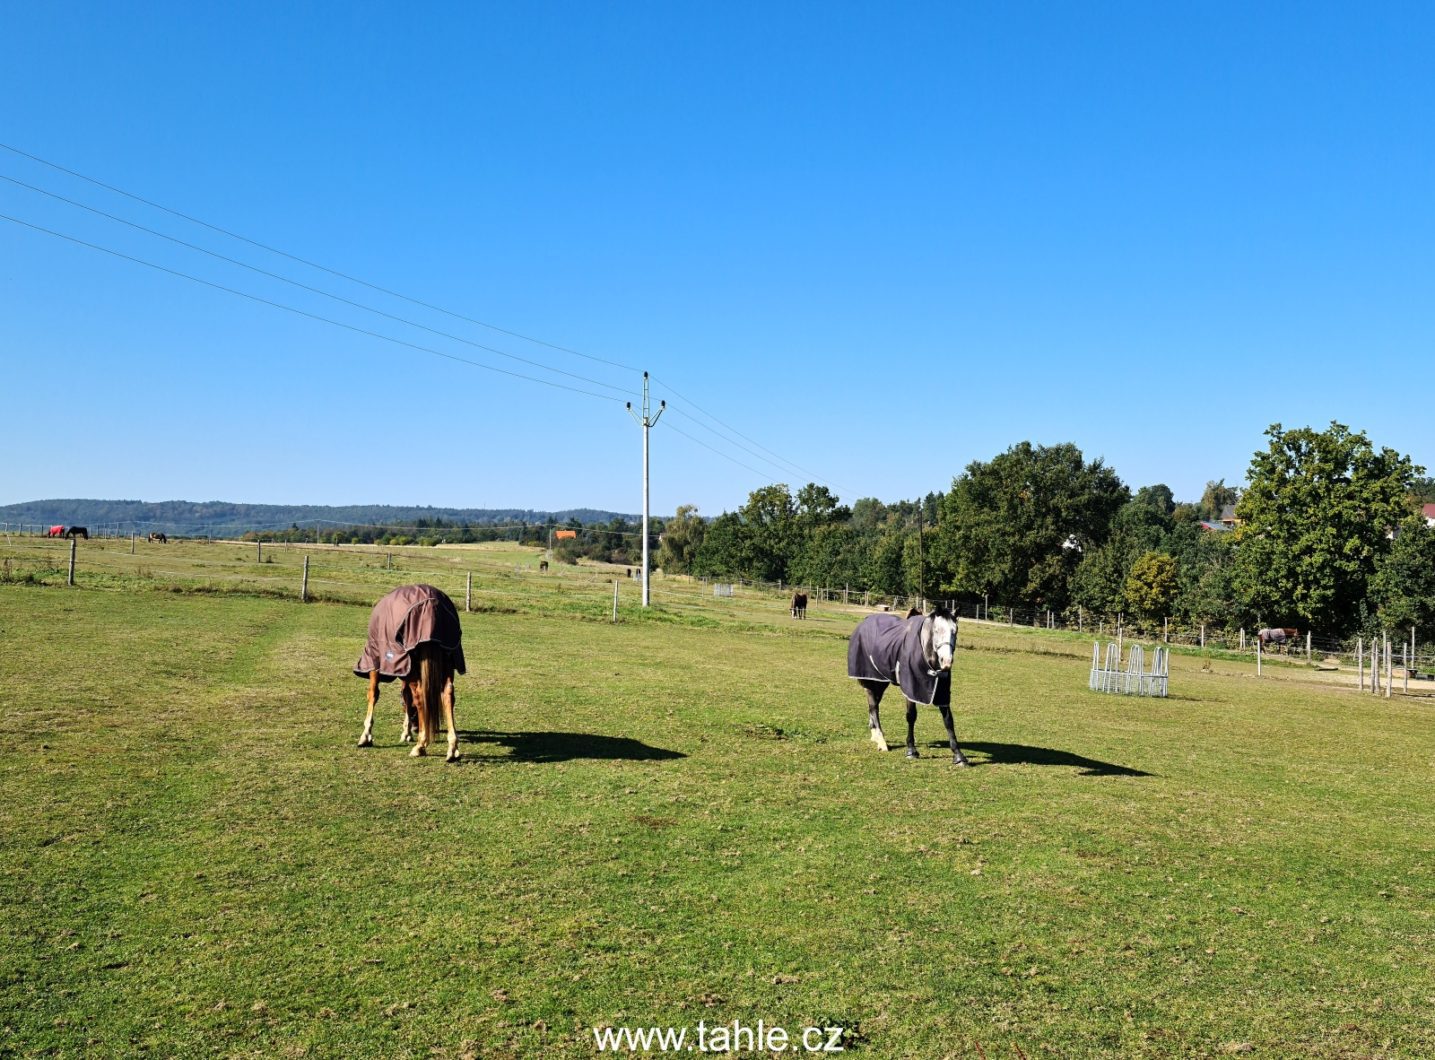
(428, 701)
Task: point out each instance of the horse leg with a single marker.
(874, 692)
(367, 740)
(416, 693)
(958, 759)
(912, 730)
(406, 700)
(449, 702)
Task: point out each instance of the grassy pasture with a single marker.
(672, 819)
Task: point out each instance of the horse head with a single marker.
(939, 638)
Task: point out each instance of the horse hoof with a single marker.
(912, 753)
(452, 758)
(960, 762)
(366, 743)
(417, 752)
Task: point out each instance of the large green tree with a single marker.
(1016, 526)
(682, 537)
(773, 532)
(1315, 520)
(1151, 585)
(724, 552)
(1403, 587)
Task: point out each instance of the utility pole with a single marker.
(646, 422)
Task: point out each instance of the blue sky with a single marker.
(875, 242)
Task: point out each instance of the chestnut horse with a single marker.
(415, 638)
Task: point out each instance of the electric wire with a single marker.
(734, 430)
(773, 458)
(305, 313)
(678, 411)
(312, 264)
(314, 290)
(739, 463)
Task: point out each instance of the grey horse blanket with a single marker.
(407, 617)
(889, 648)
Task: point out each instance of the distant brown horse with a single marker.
(1277, 637)
(415, 638)
(542, 566)
(799, 605)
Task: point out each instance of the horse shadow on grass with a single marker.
(1012, 754)
(564, 747)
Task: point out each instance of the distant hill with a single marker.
(223, 519)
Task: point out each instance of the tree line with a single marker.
(1328, 537)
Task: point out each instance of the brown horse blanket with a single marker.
(409, 616)
(889, 648)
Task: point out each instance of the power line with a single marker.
(311, 264)
(305, 312)
(777, 461)
(313, 290)
(739, 463)
(785, 470)
(816, 477)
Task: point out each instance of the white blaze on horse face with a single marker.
(944, 639)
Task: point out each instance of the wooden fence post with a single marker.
(74, 543)
(1203, 636)
(132, 544)
(1360, 663)
(1307, 645)
(615, 599)
(1258, 656)
(304, 586)
(1388, 674)
(468, 593)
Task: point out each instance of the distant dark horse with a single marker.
(542, 566)
(799, 605)
(1277, 637)
(915, 654)
(159, 537)
(415, 638)
(78, 531)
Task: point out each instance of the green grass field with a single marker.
(677, 818)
